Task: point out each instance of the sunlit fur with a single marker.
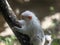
(32, 28)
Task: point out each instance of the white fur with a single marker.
(32, 28)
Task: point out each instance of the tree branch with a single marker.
(8, 13)
(11, 19)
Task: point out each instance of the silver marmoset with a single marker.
(30, 25)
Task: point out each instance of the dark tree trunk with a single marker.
(10, 18)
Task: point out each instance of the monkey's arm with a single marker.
(23, 26)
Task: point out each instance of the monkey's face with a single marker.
(27, 15)
(27, 18)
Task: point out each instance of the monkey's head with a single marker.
(27, 15)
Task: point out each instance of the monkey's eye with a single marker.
(23, 17)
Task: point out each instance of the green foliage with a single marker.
(9, 40)
(56, 42)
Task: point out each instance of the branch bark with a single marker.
(11, 19)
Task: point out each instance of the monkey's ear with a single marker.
(30, 17)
